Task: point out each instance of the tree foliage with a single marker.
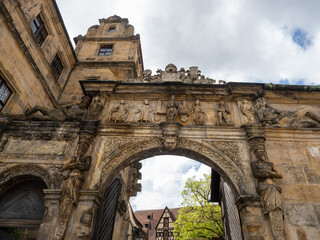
(198, 219)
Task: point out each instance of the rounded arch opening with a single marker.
(22, 206)
(202, 153)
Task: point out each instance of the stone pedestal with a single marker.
(84, 216)
(252, 220)
(51, 214)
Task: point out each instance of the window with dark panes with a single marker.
(56, 67)
(105, 50)
(5, 93)
(39, 30)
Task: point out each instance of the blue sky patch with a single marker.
(301, 38)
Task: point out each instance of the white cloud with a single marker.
(236, 40)
(163, 179)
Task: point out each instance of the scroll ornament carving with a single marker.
(269, 116)
(119, 112)
(224, 114)
(228, 167)
(247, 111)
(133, 146)
(230, 149)
(114, 143)
(145, 111)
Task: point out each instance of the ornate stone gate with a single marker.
(229, 127)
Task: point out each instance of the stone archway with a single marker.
(120, 153)
(124, 152)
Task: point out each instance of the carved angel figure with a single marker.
(270, 116)
(119, 112)
(198, 113)
(144, 111)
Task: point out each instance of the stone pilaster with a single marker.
(51, 214)
(252, 220)
(84, 216)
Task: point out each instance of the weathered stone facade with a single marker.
(262, 139)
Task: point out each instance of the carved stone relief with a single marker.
(171, 74)
(170, 132)
(172, 109)
(95, 108)
(142, 147)
(198, 114)
(247, 111)
(145, 110)
(73, 112)
(270, 193)
(224, 114)
(119, 112)
(230, 149)
(71, 186)
(269, 116)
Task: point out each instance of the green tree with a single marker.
(198, 219)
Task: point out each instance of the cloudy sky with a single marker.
(274, 41)
(163, 179)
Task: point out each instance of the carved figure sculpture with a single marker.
(247, 110)
(144, 111)
(119, 112)
(198, 113)
(70, 191)
(223, 112)
(74, 182)
(270, 193)
(94, 108)
(147, 75)
(269, 116)
(172, 109)
(73, 112)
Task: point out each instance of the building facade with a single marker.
(75, 123)
(158, 223)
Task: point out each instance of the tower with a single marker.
(109, 51)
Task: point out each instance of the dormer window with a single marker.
(112, 29)
(149, 217)
(146, 225)
(105, 50)
(39, 30)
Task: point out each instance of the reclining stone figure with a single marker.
(72, 112)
